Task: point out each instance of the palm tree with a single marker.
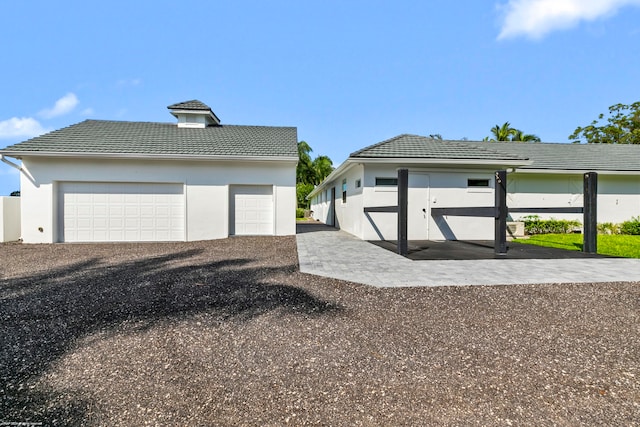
(508, 133)
(304, 171)
(322, 167)
(309, 173)
(524, 137)
(502, 133)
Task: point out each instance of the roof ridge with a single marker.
(192, 104)
(411, 145)
(377, 144)
(141, 122)
(488, 148)
(101, 137)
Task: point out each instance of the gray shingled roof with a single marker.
(420, 147)
(194, 104)
(101, 137)
(580, 157)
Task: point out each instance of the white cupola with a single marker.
(194, 114)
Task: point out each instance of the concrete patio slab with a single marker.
(326, 251)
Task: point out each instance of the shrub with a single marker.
(631, 227)
(534, 225)
(608, 228)
(299, 213)
(302, 191)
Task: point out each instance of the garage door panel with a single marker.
(132, 211)
(113, 198)
(132, 223)
(100, 198)
(147, 235)
(99, 223)
(252, 210)
(115, 223)
(102, 212)
(82, 210)
(83, 223)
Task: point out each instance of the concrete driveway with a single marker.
(326, 251)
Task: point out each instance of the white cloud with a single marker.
(25, 127)
(537, 18)
(62, 106)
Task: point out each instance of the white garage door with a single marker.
(121, 212)
(251, 210)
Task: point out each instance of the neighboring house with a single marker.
(197, 179)
(461, 174)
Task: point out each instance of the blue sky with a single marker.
(347, 74)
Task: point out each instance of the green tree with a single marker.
(501, 133)
(524, 137)
(508, 133)
(304, 170)
(309, 173)
(621, 127)
(302, 191)
(322, 167)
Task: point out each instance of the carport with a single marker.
(422, 250)
(499, 212)
(329, 252)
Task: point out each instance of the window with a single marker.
(475, 183)
(344, 190)
(386, 182)
(479, 185)
(358, 183)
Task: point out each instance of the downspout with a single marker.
(13, 165)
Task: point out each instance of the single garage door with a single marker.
(121, 212)
(251, 210)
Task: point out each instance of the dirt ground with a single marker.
(229, 332)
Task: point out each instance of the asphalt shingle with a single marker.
(415, 146)
(194, 104)
(579, 157)
(103, 137)
(556, 156)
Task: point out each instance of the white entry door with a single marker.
(418, 212)
(251, 210)
(121, 212)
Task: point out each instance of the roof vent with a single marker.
(194, 114)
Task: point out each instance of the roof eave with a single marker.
(346, 165)
(444, 161)
(142, 156)
(575, 171)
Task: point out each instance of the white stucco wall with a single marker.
(427, 188)
(206, 190)
(9, 219)
(618, 200)
(618, 195)
(348, 214)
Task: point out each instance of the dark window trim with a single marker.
(386, 182)
(478, 183)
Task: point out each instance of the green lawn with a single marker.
(614, 244)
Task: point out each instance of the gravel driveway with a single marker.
(229, 332)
